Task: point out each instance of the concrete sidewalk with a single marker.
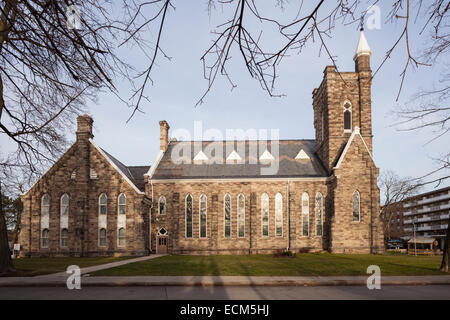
(60, 280)
(100, 267)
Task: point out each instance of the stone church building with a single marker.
(203, 197)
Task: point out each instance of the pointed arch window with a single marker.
(122, 237)
(162, 205)
(241, 215)
(319, 214)
(102, 237)
(347, 117)
(45, 205)
(278, 215)
(265, 215)
(44, 238)
(122, 201)
(305, 214)
(102, 204)
(188, 216)
(227, 216)
(203, 216)
(64, 237)
(356, 205)
(64, 204)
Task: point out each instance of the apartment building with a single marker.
(427, 214)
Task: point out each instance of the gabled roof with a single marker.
(356, 132)
(134, 175)
(249, 167)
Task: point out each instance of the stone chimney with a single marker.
(163, 135)
(84, 127)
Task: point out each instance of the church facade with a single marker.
(220, 197)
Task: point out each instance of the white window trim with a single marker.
(240, 194)
(162, 235)
(185, 216)
(200, 216)
(224, 215)
(42, 204)
(61, 204)
(282, 216)
(359, 206)
(321, 206)
(268, 216)
(307, 214)
(118, 203)
(159, 206)
(100, 204)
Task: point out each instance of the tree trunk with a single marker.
(444, 264)
(6, 264)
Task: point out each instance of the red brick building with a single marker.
(220, 197)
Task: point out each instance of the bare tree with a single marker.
(394, 190)
(429, 109)
(54, 57)
(48, 69)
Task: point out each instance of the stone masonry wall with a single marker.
(83, 231)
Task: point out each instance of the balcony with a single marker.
(424, 201)
(426, 210)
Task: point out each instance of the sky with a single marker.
(179, 83)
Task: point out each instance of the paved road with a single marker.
(434, 292)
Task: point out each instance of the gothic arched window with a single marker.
(265, 214)
(122, 237)
(188, 216)
(356, 204)
(241, 215)
(44, 238)
(227, 216)
(305, 214)
(162, 205)
(64, 237)
(102, 237)
(347, 117)
(64, 204)
(203, 216)
(45, 205)
(278, 215)
(122, 204)
(102, 204)
(319, 214)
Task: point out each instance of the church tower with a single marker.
(341, 103)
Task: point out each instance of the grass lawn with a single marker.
(320, 264)
(26, 267)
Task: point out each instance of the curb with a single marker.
(206, 283)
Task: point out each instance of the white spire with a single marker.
(363, 47)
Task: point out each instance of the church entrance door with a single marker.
(162, 241)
